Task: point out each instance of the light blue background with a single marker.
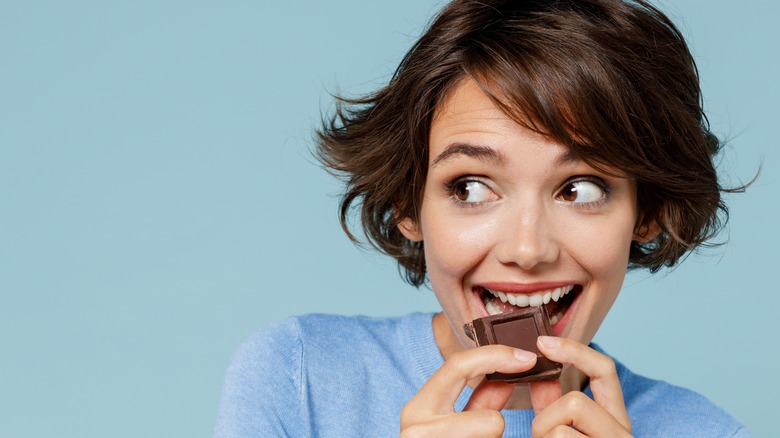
(158, 202)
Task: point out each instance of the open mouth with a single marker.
(555, 300)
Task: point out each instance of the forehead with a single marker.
(465, 100)
(469, 122)
(467, 112)
(470, 103)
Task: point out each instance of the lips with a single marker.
(556, 300)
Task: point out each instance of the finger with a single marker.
(544, 393)
(578, 410)
(462, 424)
(604, 382)
(489, 396)
(439, 393)
(562, 431)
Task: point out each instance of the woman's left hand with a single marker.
(574, 413)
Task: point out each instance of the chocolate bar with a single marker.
(520, 330)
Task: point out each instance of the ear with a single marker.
(410, 229)
(646, 231)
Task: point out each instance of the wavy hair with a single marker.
(613, 80)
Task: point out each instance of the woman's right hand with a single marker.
(431, 411)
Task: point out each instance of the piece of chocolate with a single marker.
(520, 330)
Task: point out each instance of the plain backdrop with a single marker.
(158, 202)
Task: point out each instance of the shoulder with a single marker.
(288, 338)
(338, 332)
(289, 342)
(312, 373)
(282, 347)
(262, 381)
(660, 409)
(359, 347)
(335, 327)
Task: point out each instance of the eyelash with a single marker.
(603, 185)
(452, 185)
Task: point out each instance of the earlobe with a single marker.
(410, 229)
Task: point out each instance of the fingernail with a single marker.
(550, 341)
(524, 356)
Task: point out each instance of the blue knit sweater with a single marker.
(337, 376)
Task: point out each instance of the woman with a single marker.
(524, 153)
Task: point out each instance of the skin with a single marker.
(508, 208)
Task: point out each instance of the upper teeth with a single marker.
(533, 300)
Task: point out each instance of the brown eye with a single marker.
(569, 193)
(582, 192)
(462, 191)
(471, 192)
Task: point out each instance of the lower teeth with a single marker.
(492, 307)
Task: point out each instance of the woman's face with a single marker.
(509, 212)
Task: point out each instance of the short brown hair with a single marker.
(611, 79)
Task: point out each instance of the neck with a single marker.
(571, 378)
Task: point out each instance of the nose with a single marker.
(528, 240)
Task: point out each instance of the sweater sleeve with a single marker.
(262, 395)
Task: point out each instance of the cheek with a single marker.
(603, 254)
(454, 246)
(603, 249)
(610, 257)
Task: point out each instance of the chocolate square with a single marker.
(520, 330)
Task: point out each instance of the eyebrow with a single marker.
(483, 153)
(567, 157)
